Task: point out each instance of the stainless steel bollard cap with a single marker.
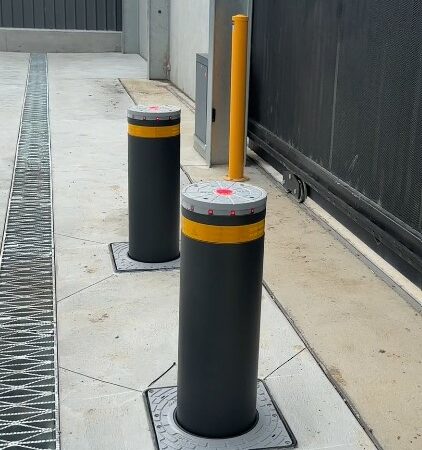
(224, 198)
(153, 112)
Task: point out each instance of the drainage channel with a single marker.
(28, 369)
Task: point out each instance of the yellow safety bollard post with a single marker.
(238, 98)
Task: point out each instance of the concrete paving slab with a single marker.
(89, 142)
(278, 341)
(79, 265)
(137, 352)
(131, 339)
(13, 73)
(100, 416)
(98, 211)
(102, 200)
(123, 330)
(14, 67)
(364, 333)
(316, 413)
(94, 95)
(96, 65)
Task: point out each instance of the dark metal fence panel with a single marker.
(70, 14)
(292, 76)
(17, 12)
(101, 14)
(28, 13)
(336, 88)
(7, 14)
(80, 14)
(91, 15)
(62, 14)
(377, 129)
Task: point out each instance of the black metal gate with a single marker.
(335, 95)
(62, 14)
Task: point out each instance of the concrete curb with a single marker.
(59, 41)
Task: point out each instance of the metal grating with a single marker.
(28, 374)
(377, 132)
(340, 84)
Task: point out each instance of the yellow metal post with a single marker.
(238, 98)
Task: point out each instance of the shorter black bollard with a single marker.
(154, 182)
(222, 252)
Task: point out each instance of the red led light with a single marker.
(252, 211)
(224, 191)
(210, 212)
(232, 213)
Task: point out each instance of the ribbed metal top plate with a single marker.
(224, 198)
(153, 112)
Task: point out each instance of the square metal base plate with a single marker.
(123, 263)
(270, 432)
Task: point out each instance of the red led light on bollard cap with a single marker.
(224, 191)
(224, 198)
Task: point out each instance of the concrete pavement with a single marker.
(118, 333)
(363, 333)
(13, 72)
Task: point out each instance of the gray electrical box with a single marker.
(200, 138)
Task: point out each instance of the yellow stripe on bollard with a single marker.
(238, 98)
(217, 234)
(153, 132)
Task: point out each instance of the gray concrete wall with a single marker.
(219, 74)
(158, 40)
(59, 41)
(189, 34)
(143, 28)
(130, 29)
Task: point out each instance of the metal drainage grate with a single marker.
(28, 369)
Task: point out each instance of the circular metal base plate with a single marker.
(270, 432)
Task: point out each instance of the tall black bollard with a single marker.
(220, 307)
(154, 182)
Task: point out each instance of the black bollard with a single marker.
(154, 182)
(220, 307)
